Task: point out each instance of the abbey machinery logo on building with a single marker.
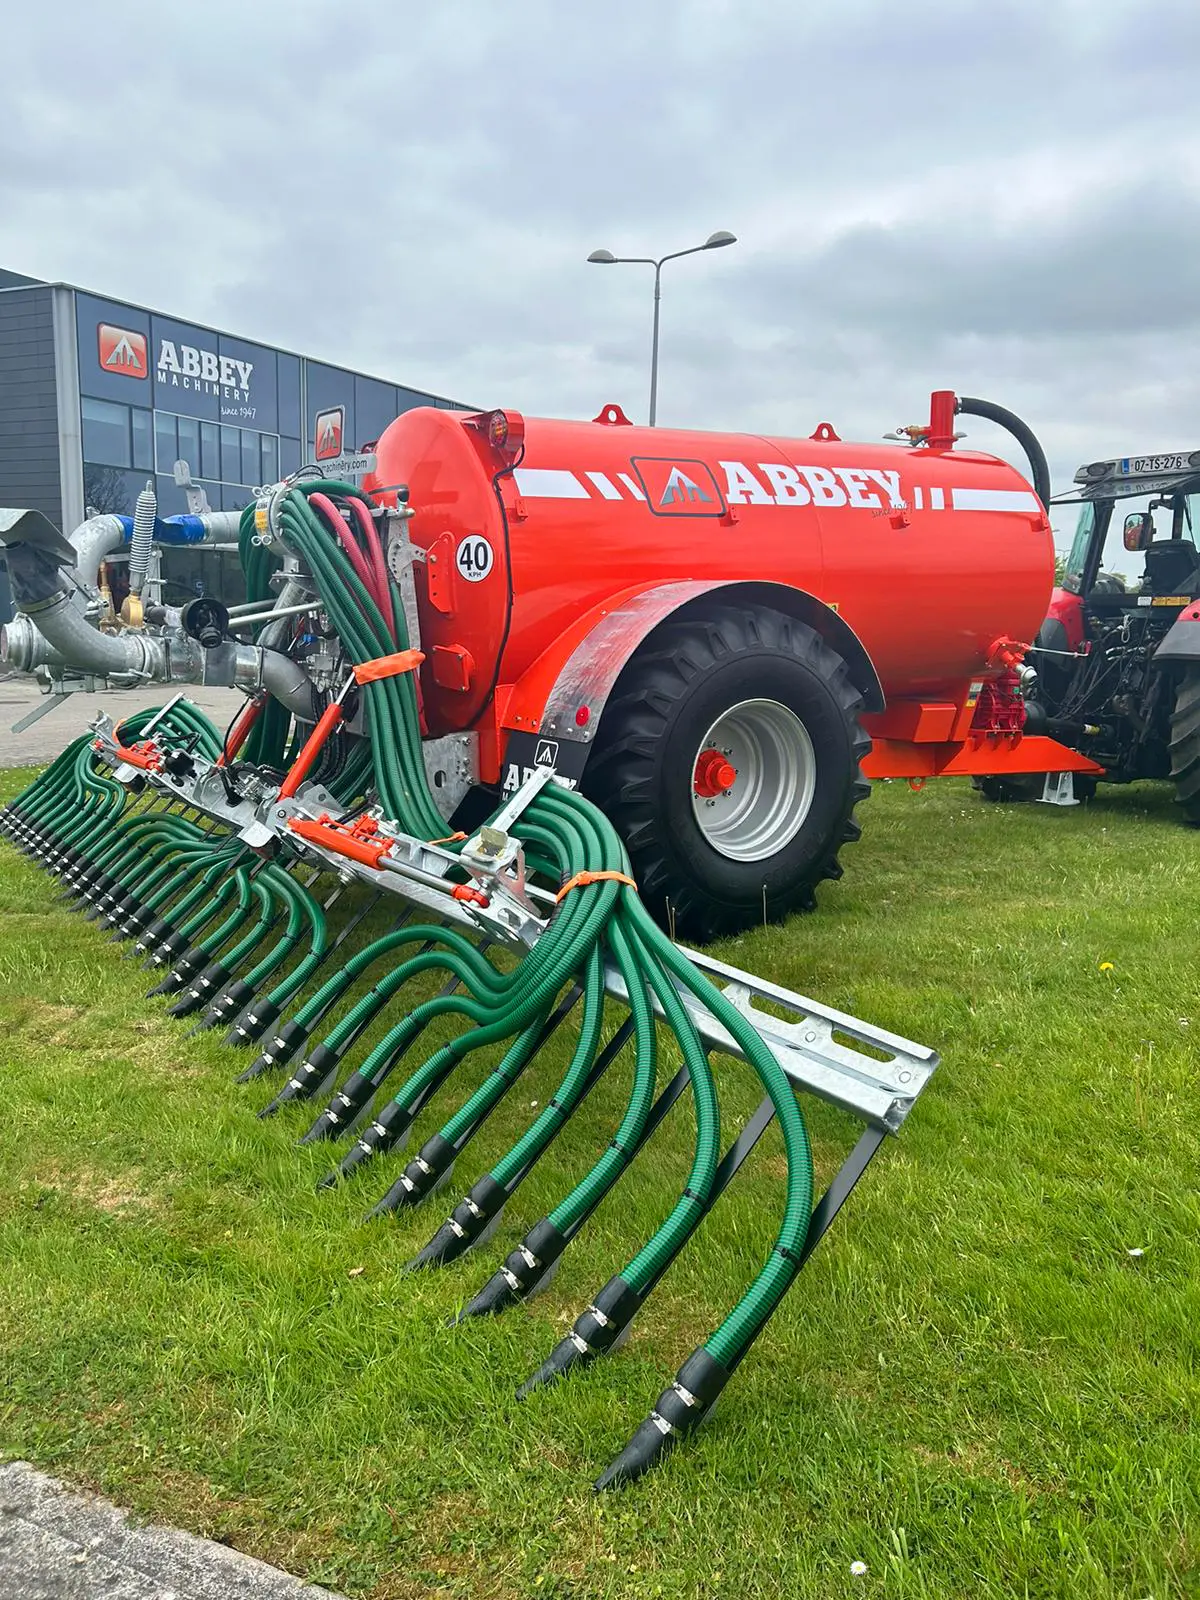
(189, 366)
(122, 350)
(180, 366)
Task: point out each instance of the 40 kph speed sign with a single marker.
(474, 558)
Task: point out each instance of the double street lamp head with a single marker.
(605, 258)
(713, 242)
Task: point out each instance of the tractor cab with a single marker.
(1119, 651)
(1145, 507)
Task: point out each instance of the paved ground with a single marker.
(70, 715)
(57, 1545)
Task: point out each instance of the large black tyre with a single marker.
(1185, 745)
(754, 674)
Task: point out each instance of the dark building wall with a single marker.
(28, 409)
(28, 403)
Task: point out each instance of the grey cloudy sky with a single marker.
(1001, 197)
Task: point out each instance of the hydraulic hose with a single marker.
(1039, 469)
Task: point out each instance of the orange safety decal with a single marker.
(388, 666)
(581, 879)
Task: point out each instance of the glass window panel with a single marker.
(165, 441)
(105, 433)
(231, 455)
(1077, 559)
(143, 439)
(251, 463)
(210, 450)
(270, 458)
(189, 443)
(289, 456)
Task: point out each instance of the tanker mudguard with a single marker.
(577, 675)
(1182, 643)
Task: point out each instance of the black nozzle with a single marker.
(206, 983)
(421, 1177)
(175, 944)
(557, 1364)
(128, 905)
(154, 934)
(285, 1042)
(341, 1110)
(235, 997)
(279, 1052)
(463, 1227)
(523, 1270)
(254, 1022)
(645, 1450)
(596, 1331)
(180, 974)
(90, 888)
(679, 1410)
(307, 1079)
(380, 1136)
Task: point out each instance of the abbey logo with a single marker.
(679, 488)
(123, 351)
(328, 432)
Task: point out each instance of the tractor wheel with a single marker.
(1185, 745)
(728, 759)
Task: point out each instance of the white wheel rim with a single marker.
(771, 794)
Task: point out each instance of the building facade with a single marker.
(97, 397)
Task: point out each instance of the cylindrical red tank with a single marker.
(929, 555)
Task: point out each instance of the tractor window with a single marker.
(1077, 560)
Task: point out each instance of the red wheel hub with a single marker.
(713, 775)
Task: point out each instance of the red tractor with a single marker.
(1115, 668)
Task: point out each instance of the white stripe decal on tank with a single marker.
(549, 483)
(605, 485)
(995, 500)
(937, 499)
(633, 488)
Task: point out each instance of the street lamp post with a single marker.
(715, 241)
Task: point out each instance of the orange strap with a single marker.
(388, 666)
(451, 838)
(582, 878)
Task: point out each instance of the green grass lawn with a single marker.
(975, 1388)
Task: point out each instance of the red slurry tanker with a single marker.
(720, 635)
